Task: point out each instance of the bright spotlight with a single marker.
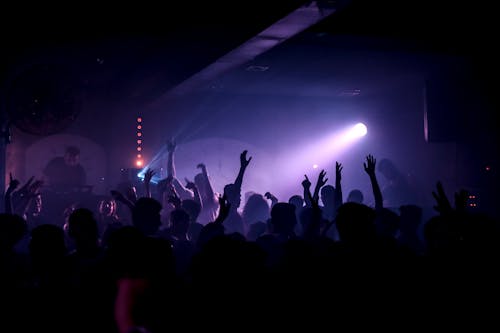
(359, 130)
(315, 166)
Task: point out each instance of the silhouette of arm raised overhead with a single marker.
(312, 230)
(270, 196)
(192, 186)
(118, 196)
(13, 184)
(338, 187)
(319, 184)
(171, 172)
(147, 181)
(243, 166)
(224, 208)
(369, 166)
(210, 193)
(22, 198)
(306, 185)
(443, 205)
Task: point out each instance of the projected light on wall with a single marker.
(320, 153)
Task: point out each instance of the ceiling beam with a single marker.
(285, 28)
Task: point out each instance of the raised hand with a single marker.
(243, 159)
(148, 175)
(189, 184)
(33, 189)
(338, 171)
(13, 183)
(271, 197)
(202, 167)
(319, 184)
(118, 196)
(321, 179)
(306, 183)
(25, 187)
(224, 208)
(370, 165)
(443, 205)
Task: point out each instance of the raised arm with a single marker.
(13, 184)
(209, 190)
(179, 187)
(22, 198)
(369, 166)
(270, 196)
(192, 186)
(319, 184)
(338, 186)
(173, 197)
(243, 166)
(224, 208)
(148, 175)
(312, 230)
(306, 185)
(443, 205)
(118, 196)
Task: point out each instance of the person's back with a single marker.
(397, 190)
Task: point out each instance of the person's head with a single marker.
(283, 218)
(191, 207)
(146, 215)
(387, 168)
(179, 222)
(297, 201)
(82, 226)
(355, 196)
(356, 222)
(256, 209)
(12, 229)
(72, 156)
(327, 195)
(233, 195)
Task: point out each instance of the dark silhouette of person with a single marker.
(65, 173)
(398, 189)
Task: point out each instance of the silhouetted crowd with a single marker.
(185, 256)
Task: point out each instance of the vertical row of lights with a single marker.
(472, 199)
(139, 162)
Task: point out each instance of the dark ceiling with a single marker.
(155, 46)
(135, 53)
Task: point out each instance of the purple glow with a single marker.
(324, 151)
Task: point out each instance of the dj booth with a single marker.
(56, 201)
